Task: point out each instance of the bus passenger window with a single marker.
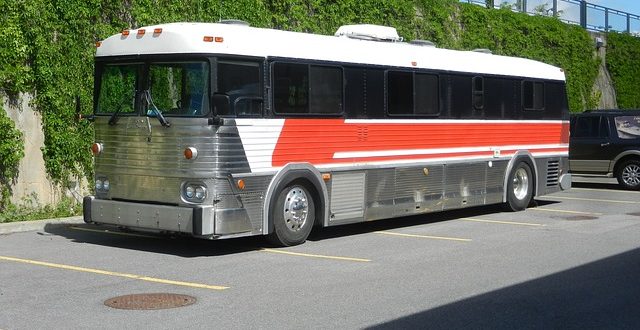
(304, 89)
(399, 93)
(290, 88)
(532, 95)
(478, 93)
(325, 90)
(427, 94)
(240, 80)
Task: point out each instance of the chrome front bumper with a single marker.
(197, 221)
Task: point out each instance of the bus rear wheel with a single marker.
(293, 216)
(520, 187)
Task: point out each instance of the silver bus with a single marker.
(224, 130)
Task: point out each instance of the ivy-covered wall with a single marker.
(47, 48)
(623, 63)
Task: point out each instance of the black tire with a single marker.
(292, 215)
(520, 187)
(628, 174)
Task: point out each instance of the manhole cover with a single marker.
(147, 301)
(581, 217)
(637, 214)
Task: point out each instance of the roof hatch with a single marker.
(369, 32)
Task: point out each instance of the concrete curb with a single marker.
(24, 226)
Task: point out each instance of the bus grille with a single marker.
(553, 171)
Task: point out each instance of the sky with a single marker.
(570, 11)
(630, 6)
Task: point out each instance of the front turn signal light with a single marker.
(190, 153)
(96, 148)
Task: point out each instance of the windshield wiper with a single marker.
(161, 119)
(114, 117)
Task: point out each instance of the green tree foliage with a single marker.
(11, 151)
(623, 62)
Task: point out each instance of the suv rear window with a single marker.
(628, 127)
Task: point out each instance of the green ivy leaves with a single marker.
(623, 63)
(11, 151)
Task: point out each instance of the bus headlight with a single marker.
(102, 184)
(189, 192)
(194, 192)
(200, 192)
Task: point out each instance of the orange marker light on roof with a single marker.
(207, 39)
(141, 32)
(219, 39)
(98, 44)
(157, 30)
(125, 33)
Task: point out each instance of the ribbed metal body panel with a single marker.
(347, 196)
(145, 162)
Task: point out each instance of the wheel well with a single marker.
(317, 205)
(529, 161)
(305, 179)
(622, 160)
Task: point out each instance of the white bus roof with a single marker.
(236, 39)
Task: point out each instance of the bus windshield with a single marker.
(169, 88)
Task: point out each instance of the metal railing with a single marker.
(588, 15)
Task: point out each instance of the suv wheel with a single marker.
(629, 174)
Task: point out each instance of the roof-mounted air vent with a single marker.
(483, 50)
(423, 43)
(234, 22)
(369, 32)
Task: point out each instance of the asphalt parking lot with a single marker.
(570, 262)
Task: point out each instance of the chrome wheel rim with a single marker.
(631, 175)
(520, 183)
(296, 209)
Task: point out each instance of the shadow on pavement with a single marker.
(193, 247)
(597, 185)
(604, 294)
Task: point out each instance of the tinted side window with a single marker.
(590, 127)
(304, 89)
(325, 92)
(532, 95)
(427, 96)
(501, 98)
(240, 80)
(478, 93)
(291, 88)
(399, 93)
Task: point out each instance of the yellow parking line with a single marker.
(564, 211)
(106, 231)
(315, 255)
(424, 236)
(505, 222)
(105, 272)
(595, 200)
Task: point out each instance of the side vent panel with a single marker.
(553, 172)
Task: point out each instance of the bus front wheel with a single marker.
(520, 187)
(292, 215)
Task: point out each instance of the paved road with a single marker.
(571, 262)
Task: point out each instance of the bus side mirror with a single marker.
(221, 106)
(79, 115)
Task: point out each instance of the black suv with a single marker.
(606, 143)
